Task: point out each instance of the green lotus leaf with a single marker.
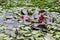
(51, 34)
(30, 25)
(26, 28)
(49, 26)
(27, 34)
(55, 27)
(31, 38)
(13, 35)
(41, 33)
(22, 25)
(23, 32)
(1, 38)
(51, 31)
(20, 38)
(2, 35)
(57, 36)
(33, 20)
(14, 29)
(7, 38)
(34, 32)
(5, 27)
(36, 35)
(45, 16)
(58, 33)
(58, 20)
(1, 27)
(39, 39)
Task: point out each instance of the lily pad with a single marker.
(19, 38)
(34, 32)
(26, 28)
(58, 33)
